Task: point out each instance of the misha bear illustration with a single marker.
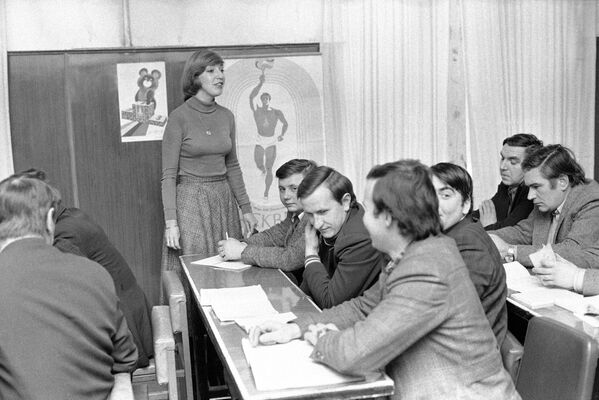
(147, 83)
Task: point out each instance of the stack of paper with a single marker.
(286, 366)
(230, 304)
(545, 297)
(219, 262)
(580, 304)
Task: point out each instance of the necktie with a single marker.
(553, 227)
(511, 191)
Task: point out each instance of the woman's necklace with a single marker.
(208, 131)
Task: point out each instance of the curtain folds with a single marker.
(6, 164)
(448, 80)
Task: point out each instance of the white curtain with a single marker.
(386, 73)
(6, 165)
(530, 67)
(448, 80)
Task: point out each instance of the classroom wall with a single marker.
(71, 24)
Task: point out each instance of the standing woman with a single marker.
(202, 184)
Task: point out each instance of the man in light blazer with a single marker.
(566, 213)
(282, 245)
(422, 321)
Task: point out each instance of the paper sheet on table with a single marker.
(544, 297)
(519, 279)
(247, 323)
(219, 262)
(288, 365)
(580, 304)
(544, 254)
(230, 304)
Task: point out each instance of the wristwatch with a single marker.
(511, 254)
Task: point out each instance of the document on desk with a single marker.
(518, 278)
(580, 304)
(545, 297)
(219, 262)
(230, 304)
(288, 365)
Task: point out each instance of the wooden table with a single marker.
(226, 337)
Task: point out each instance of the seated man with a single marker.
(566, 212)
(340, 261)
(63, 335)
(453, 185)
(78, 234)
(282, 245)
(510, 204)
(422, 322)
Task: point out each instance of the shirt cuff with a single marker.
(310, 260)
(579, 280)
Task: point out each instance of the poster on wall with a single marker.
(142, 100)
(278, 107)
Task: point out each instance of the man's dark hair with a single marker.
(553, 161)
(24, 205)
(404, 190)
(31, 173)
(295, 166)
(523, 140)
(338, 184)
(456, 177)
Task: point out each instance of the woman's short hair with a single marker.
(404, 189)
(196, 64)
(338, 184)
(295, 166)
(24, 205)
(553, 161)
(456, 177)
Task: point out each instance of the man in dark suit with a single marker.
(282, 245)
(340, 261)
(510, 204)
(566, 213)
(422, 321)
(63, 335)
(453, 185)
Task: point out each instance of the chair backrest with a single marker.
(175, 296)
(558, 363)
(511, 354)
(164, 350)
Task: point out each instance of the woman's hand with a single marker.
(172, 235)
(250, 222)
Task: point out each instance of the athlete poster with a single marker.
(278, 107)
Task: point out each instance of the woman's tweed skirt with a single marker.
(206, 210)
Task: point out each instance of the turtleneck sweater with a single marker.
(199, 141)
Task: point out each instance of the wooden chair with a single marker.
(175, 296)
(159, 380)
(511, 354)
(558, 363)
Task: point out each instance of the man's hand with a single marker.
(317, 331)
(231, 249)
(311, 240)
(272, 332)
(488, 215)
(560, 273)
(501, 245)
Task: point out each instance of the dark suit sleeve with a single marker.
(67, 246)
(358, 263)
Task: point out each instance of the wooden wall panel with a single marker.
(38, 118)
